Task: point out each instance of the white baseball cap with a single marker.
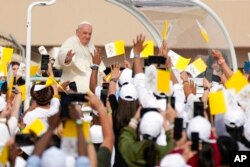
(235, 118)
(151, 124)
(53, 157)
(128, 92)
(200, 125)
(126, 76)
(173, 160)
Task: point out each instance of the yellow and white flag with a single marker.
(203, 32)
(148, 50)
(115, 48)
(237, 81)
(196, 68)
(37, 127)
(178, 61)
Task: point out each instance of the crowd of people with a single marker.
(118, 121)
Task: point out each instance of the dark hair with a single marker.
(14, 63)
(236, 132)
(42, 97)
(125, 111)
(205, 155)
(226, 144)
(150, 153)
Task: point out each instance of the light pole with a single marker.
(28, 46)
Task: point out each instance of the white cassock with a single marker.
(79, 69)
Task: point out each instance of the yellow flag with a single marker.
(70, 129)
(7, 54)
(163, 81)
(3, 68)
(237, 81)
(4, 155)
(217, 103)
(203, 32)
(37, 127)
(148, 50)
(23, 91)
(182, 63)
(108, 77)
(115, 48)
(50, 81)
(33, 70)
(165, 30)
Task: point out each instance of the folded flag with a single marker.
(217, 103)
(33, 70)
(196, 68)
(148, 50)
(3, 68)
(237, 81)
(165, 30)
(203, 32)
(37, 127)
(4, 155)
(178, 61)
(163, 81)
(6, 54)
(115, 48)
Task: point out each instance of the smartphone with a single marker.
(77, 97)
(104, 95)
(44, 62)
(156, 60)
(145, 110)
(178, 127)
(195, 141)
(23, 139)
(72, 86)
(198, 109)
(105, 85)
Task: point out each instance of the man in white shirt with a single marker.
(75, 58)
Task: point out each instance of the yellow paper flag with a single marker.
(115, 48)
(165, 30)
(108, 77)
(33, 70)
(23, 91)
(50, 81)
(70, 130)
(3, 68)
(163, 81)
(182, 63)
(37, 127)
(7, 54)
(148, 50)
(203, 32)
(4, 155)
(217, 103)
(237, 81)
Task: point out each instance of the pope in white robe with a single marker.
(75, 58)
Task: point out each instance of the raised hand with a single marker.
(127, 64)
(163, 49)
(69, 56)
(97, 57)
(138, 44)
(217, 54)
(115, 70)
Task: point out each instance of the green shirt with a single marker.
(132, 150)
